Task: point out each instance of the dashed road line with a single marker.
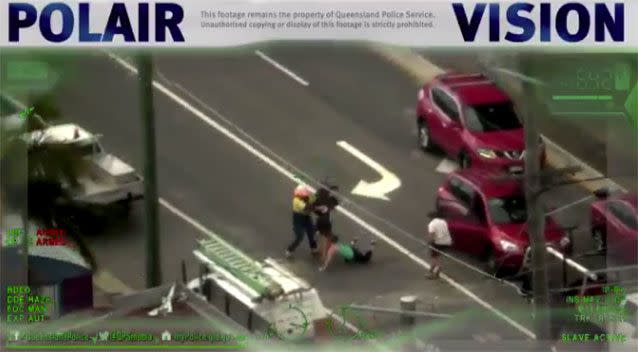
(282, 68)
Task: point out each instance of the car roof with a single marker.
(631, 198)
(492, 184)
(473, 89)
(65, 133)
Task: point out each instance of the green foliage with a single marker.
(45, 106)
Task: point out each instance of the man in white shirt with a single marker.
(438, 237)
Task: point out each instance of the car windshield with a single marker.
(508, 210)
(85, 149)
(491, 117)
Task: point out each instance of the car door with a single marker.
(451, 125)
(446, 129)
(467, 225)
(622, 231)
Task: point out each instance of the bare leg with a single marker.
(435, 267)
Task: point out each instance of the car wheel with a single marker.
(423, 132)
(464, 161)
(599, 239)
(492, 265)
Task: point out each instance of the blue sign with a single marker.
(534, 20)
(168, 16)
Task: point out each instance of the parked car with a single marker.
(108, 180)
(614, 225)
(473, 121)
(487, 214)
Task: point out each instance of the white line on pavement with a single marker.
(209, 121)
(379, 189)
(282, 68)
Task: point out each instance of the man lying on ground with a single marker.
(349, 252)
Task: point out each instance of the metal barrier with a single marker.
(571, 263)
(565, 261)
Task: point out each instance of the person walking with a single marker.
(438, 237)
(324, 204)
(302, 208)
(349, 252)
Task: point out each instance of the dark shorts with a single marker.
(324, 228)
(359, 257)
(435, 253)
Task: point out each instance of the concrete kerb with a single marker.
(421, 70)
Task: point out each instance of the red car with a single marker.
(486, 214)
(473, 121)
(614, 225)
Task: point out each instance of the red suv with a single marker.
(614, 225)
(486, 214)
(473, 121)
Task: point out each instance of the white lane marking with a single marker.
(447, 166)
(379, 189)
(206, 119)
(282, 68)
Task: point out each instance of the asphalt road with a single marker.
(351, 96)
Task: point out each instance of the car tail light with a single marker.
(421, 94)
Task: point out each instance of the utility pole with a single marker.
(536, 218)
(153, 264)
